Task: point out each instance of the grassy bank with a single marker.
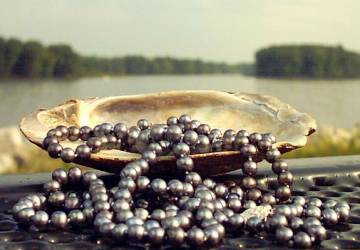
(330, 141)
(38, 162)
(327, 141)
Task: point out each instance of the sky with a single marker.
(223, 30)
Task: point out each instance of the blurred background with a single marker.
(305, 52)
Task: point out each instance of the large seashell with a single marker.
(255, 113)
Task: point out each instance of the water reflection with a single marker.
(330, 102)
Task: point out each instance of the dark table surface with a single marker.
(326, 178)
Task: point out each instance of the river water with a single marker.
(331, 102)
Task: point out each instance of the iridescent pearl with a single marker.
(185, 163)
(176, 187)
(174, 133)
(272, 155)
(59, 219)
(181, 149)
(124, 215)
(195, 236)
(296, 223)
(275, 221)
(158, 214)
(40, 219)
(60, 176)
(123, 194)
(236, 222)
(142, 183)
(203, 145)
(156, 235)
(302, 240)
(175, 236)
(220, 190)
(215, 134)
(317, 232)
(52, 186)
(85, 133)
(64, 132)
(49, 140)
(56, 198)
(158, 185)
(149, 156)
(240, 141)
(143, 124)
(67, 155)
(330, 217)
(54, 150)
(119, 231)
(83, 152)
(285, 178)
(193, 178)
(283, 193)
(283, 235)
(74, 133)
(249, 168)
(76, 217)
(190, 138)
(136, 232)
(157, 132)
(185, 119)
(203, 129)
(172, 120)
(25, 215)
(254, 224)
(88, 177)
(313, 211)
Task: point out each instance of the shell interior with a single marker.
(255, 113)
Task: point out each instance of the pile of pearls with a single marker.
(183, 210)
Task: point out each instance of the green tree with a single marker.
(67, 62)
(2, 56)
(136, 65)
(48, 64)
(30, 60)
(161, 65)
(11, 54)
(307, 60)
(117, 66)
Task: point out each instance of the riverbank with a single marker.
(17, 155)
(31, 59)
(20, 156)
(330, 141)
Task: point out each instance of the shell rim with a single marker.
(283, 146)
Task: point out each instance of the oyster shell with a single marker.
(255, 113)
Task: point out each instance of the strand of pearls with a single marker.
(186, 209)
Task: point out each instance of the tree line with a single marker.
(33, 59)
(307, 61)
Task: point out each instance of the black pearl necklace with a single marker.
(184, 210)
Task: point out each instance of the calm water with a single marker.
(329, 102)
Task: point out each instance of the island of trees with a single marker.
(33, 59)
(307, 61)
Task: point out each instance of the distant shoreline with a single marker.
(74, 78)
(310, 61)
(116, 76)
(32, 59)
